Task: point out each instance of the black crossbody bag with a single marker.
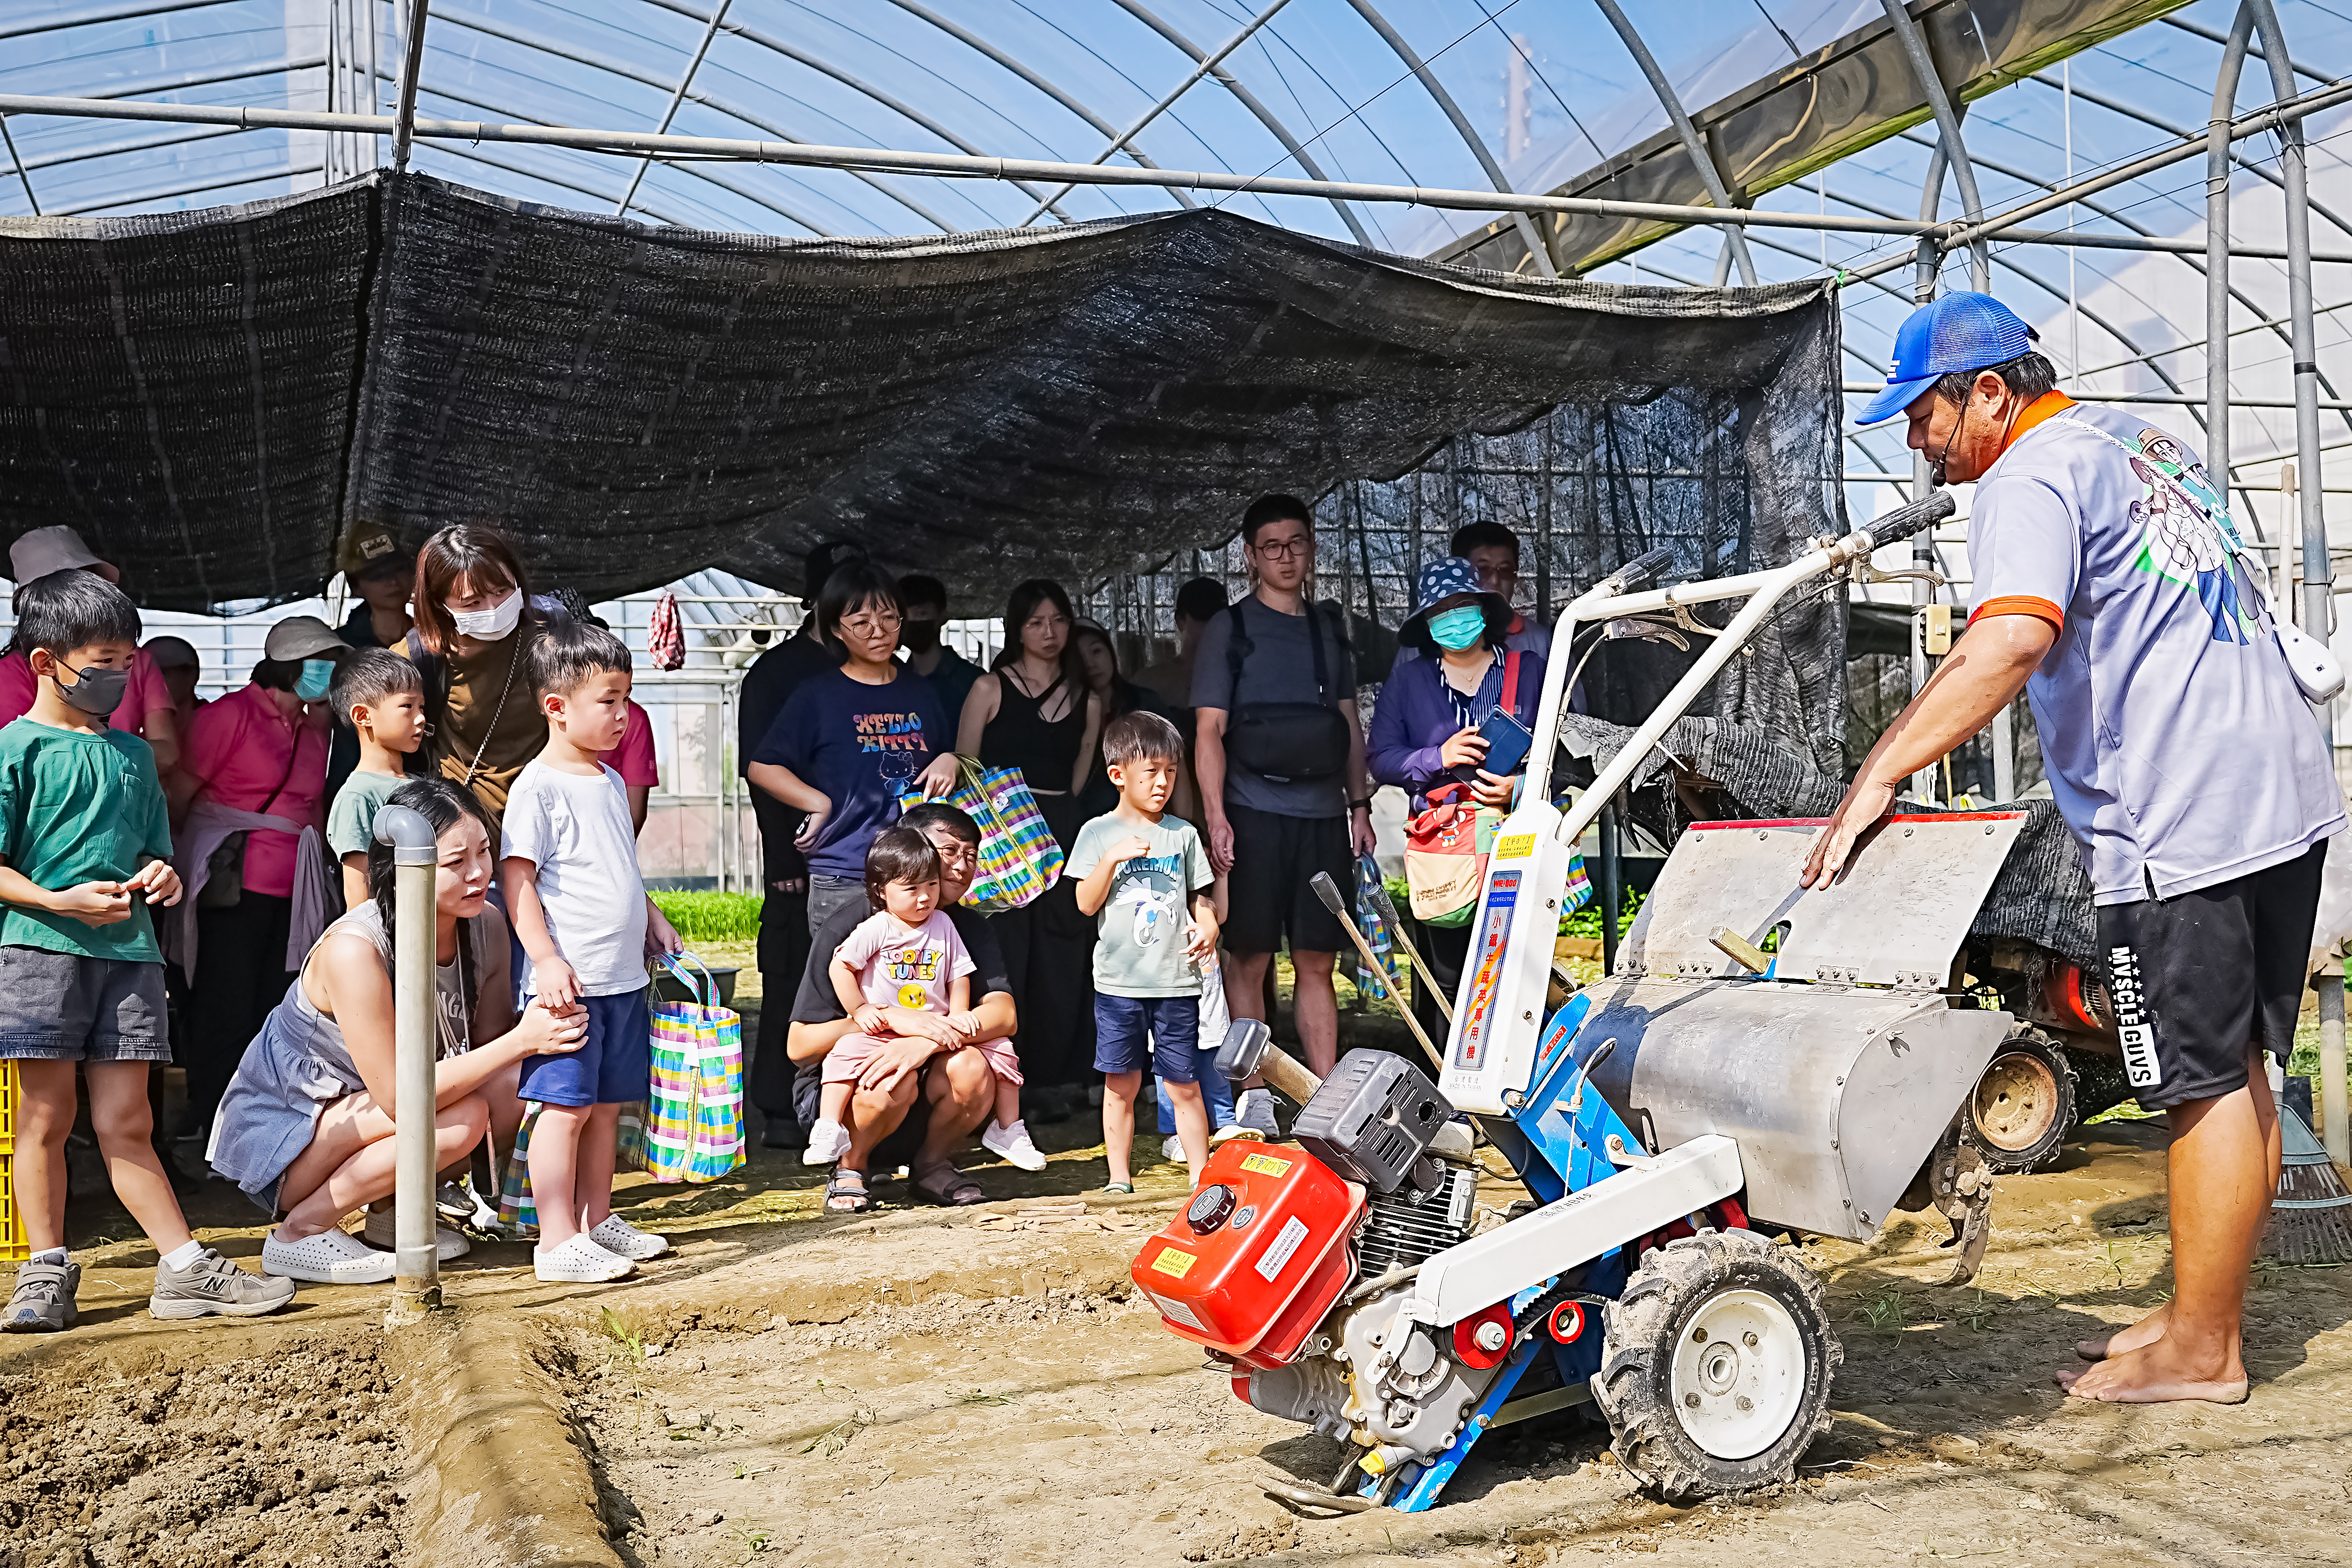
(1287, 743)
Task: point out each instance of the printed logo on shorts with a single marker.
(2137, 1035)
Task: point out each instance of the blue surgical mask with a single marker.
(317, 675)
(1459, 628)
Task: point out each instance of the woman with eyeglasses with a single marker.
(1035, 711)
(848, 745)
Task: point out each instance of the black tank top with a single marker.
(1020, 735)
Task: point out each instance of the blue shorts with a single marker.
(1172, 1025)
(614, 1068)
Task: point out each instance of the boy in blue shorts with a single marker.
(568, 865)
(84, 848)
(1138, 871)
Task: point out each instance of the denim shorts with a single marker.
(614, 1068)
(64, 1007)
(1163, 1033)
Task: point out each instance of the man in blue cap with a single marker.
(2110, 585)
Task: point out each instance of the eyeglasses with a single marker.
(1284, 549)
(868, 623)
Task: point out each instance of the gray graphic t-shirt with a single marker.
(1139, 948)
(2178, 745)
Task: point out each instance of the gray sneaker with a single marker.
(213, 1285)
(44, 1301)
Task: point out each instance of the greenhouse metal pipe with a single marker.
(669, 113)
(811, 155)
(1204, 65)
(48, 23)
(1249, 100)
(1950, 144)
(17, 161)
(2210, 37)
(1734, 242)
(2293, 155)
(471, 155)
(199, 190)
(1537, 247)
(412, 64)
(2216, 244)
(971, 40)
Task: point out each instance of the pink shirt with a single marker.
(145, 693)
(240, 749)
(906, 967)
(634, 758)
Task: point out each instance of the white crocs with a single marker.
(379, 1232)
(623, 1240)
(1013, 1143)
(330, 1258)
(579, 1261)
(828, 1141)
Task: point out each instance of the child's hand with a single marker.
(1200, 937)
(870, 1019)
(94, 903)
(552, 978)
(811, 826)
(1128, 847)
(550, 1031)
(158, 881)
(661, 936)
(966, 1024)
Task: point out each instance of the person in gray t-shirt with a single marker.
(1281, 762)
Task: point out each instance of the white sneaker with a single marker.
(1013, 1144)
(1234, 1130)
(1173, 1149)
(381, 1232)
(330, 1258)
(579, 1261)
(828, 1141)
(623, 1240)
(1255, 1109)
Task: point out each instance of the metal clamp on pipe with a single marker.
(416, 1279)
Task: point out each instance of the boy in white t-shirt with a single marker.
(568, 866)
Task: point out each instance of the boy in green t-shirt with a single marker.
(84, 848)
(382, 697)
(1138, 870)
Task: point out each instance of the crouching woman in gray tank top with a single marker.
(305, 1127)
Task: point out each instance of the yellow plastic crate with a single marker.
(7, 1106)
(14, 1248)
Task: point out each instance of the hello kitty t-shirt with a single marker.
(1140, 928)
(2177, 743)
(862, 746)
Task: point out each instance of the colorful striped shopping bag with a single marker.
(693, 1122)
(1019, 857)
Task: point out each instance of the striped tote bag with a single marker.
(693, 1120)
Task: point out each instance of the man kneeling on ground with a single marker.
(957, 1089)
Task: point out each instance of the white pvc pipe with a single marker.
(2334, 1130)
(416, 1278)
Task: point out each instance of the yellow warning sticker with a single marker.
(1173, 1264)
(1515, 846)
(1266, 1164)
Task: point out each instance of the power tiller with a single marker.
(1764, 1059)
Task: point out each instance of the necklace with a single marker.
(474, 767)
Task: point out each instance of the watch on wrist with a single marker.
(1363, 805)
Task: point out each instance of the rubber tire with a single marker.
(2030, 1042)
(1640, 1327)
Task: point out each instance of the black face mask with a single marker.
(94, 691)
(918, 637)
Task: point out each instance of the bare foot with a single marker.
(2155, 1374)
(2145, 1332)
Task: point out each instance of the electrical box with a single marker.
(1938, 635)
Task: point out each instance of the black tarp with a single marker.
(212, 397)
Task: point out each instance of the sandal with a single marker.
(951, 1188)
(845, 1192)
(1118, 1189)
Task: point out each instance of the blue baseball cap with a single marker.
(1961, 331)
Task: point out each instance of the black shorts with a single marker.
(2198, 978)
(1274, 860)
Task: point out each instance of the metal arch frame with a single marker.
(25, 175)
(2211, 37)
(865, 90)
(1735, 243)
(669, 113)
(630, 73)
(1212, 66)
(974, 41)
(291, 170)
(474, 155)
(98, 18)
(1952, 149)
(1539, 250)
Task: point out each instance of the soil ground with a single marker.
(909, 1386)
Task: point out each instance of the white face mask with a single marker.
(489, 625)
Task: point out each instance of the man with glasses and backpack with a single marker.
(1280, 758)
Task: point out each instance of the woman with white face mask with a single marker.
(472, 639)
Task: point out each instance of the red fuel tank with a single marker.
(1257, 1257)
